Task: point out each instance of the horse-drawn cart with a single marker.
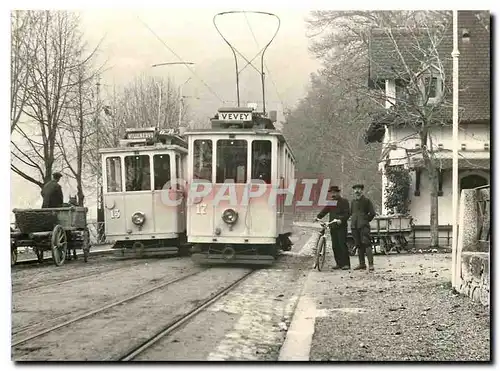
(59, 230)
(388, 232)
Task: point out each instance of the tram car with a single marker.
(238, 171)
(137, 185)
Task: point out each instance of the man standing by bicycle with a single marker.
(362, 213)
(338, 210)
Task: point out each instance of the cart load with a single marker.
(59, 230)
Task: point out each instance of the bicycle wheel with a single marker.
(321, 254)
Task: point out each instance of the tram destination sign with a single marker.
(140, 135)
(235, 116)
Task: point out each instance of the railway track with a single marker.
(47, 261)
(169, 328)
(81, 277)
(96, 311)
(176, 324)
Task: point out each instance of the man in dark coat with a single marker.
(338, 211)
(362, 213)
(52, 192)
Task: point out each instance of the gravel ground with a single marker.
(404, 311)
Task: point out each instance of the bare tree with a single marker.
(326, 134)
(56, 47)
(147, 101)
(22, 22)
(76, 129)
(144, 102)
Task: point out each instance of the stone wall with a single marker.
(471, 275)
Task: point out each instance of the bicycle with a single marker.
(320, 254)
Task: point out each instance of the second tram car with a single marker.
(246, 166)
(136, 181)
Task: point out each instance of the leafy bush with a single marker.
(398, 190)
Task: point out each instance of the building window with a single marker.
(431, 88)
(418, 174)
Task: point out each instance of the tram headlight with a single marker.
(229, 216)
(138, 218)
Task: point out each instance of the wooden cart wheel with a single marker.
(384, 246)
(59, 245)
(86, 245)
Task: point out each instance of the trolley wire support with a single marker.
(249, 63)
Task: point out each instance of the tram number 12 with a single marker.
(201, 209)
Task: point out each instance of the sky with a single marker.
(192, 36)
(131, 41)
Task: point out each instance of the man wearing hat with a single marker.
(52, 192)
(339, 213)
(362, 213)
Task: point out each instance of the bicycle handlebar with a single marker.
(323, 224)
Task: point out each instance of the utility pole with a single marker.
(159, 102)
(100, 208)
(455, 54)
(181, 98)
(181, 101)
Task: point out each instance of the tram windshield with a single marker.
(261, 160)
(137, 173)
(161, 164)
(114, 174)
(232, 161)
(202, 160)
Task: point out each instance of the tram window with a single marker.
(202, 160)
(232, 160)
(114, 174)
(137, 173)
(261, 160)
(161, 165)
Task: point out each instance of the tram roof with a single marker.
(151, 148)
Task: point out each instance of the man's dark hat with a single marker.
(57, 175)
(334, 189)
(361, 186)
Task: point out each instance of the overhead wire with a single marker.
(265, 65)
(181, 60)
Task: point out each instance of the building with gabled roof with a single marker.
(427, 59)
